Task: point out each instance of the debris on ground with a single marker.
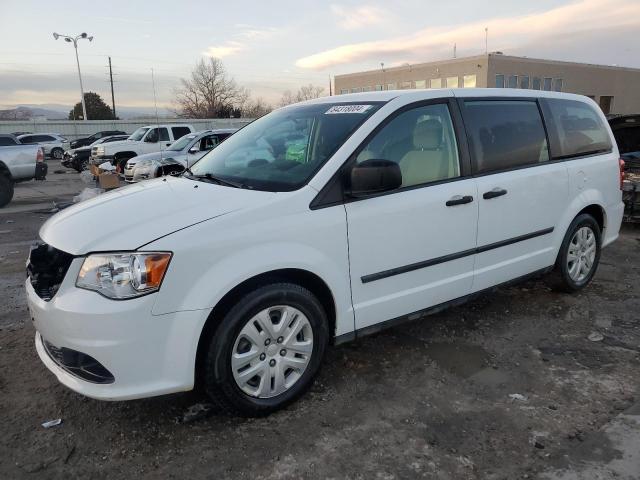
(86, 176)
(52, 423)
(517, 397)
(196, 412)
(595, 337)
(86, 194)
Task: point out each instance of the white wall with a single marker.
(73, 129)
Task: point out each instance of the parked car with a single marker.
(183, 152)
(53, 144)
(78, 159)
(152, 138)
(18, 163)
(238, 275)
(8, 140)
(83, 142)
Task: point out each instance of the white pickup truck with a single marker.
(148, 139)
(18, 163)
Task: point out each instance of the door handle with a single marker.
(496, 192)
(459, 200)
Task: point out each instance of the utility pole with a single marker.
(330, 90)
(113, 99)
(454, 50)
(486, 40)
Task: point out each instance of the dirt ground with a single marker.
(430, 399)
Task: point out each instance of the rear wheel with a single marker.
(579, 255)
(267, 350)
(6, 190)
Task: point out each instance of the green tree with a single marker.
(96, 108)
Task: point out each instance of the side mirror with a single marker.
(193, 150)
(374, 176)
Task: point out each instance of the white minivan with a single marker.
(354, 212)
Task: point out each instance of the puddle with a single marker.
(460, 359)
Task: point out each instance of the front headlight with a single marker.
(123, 275)
(144, 171)
(99, 151)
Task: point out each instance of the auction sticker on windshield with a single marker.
(348, 109)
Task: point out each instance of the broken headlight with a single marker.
(123, 275)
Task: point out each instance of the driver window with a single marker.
(421, 141)
(207, 143)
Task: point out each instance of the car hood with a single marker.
(119, 143)
(130, 217)
(155, 156)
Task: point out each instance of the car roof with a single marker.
(431, 93)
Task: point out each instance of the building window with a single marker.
(367, 89)
(356, 90)
(547, 84)
(536, 83)
(435, 83)
(499, 81)
(605, 103)
(513, 81)
(379, 88)
(391, 86)
(344, 91)
(557, 85)
(452, 82)
(421, 84)
(405, 85)
(524, 81)
(469, 81)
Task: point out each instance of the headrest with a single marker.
(427, 134)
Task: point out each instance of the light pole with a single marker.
(74, 40)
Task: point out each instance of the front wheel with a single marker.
(267, 350)
(57, 153)
(579, 255)
(6, 189)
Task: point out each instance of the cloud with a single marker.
(242, 39)
(225, 50)
(352, 19)
(505, 32)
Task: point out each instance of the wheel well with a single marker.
(4, 171)
(597, 212)
(304, 278)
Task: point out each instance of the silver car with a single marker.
(53, 144)
(183, 152)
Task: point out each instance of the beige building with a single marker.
(616, 89)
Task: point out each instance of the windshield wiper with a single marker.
(219, 181)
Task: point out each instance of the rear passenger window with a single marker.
(179, 132)
(421, 141)
(579, 130)
(505, 134)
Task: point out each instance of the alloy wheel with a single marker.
(582, 253)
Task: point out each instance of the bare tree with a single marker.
(209, 93)
(255, 108)
(307, 92)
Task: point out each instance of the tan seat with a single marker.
(428, 161)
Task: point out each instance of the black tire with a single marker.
(57, 153)
(218, 380)
(6, 190)
(81, 165)
(560, 279)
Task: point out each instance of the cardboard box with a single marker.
(95, 171)
(108, 180)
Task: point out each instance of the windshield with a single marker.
(181, 143)
(282, 150)
(138, 134)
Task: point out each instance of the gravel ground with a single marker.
(429, 399)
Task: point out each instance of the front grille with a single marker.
(78, 364)
(46, 269)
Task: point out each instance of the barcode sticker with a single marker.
(347, 109)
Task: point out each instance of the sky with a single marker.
(277, 45)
